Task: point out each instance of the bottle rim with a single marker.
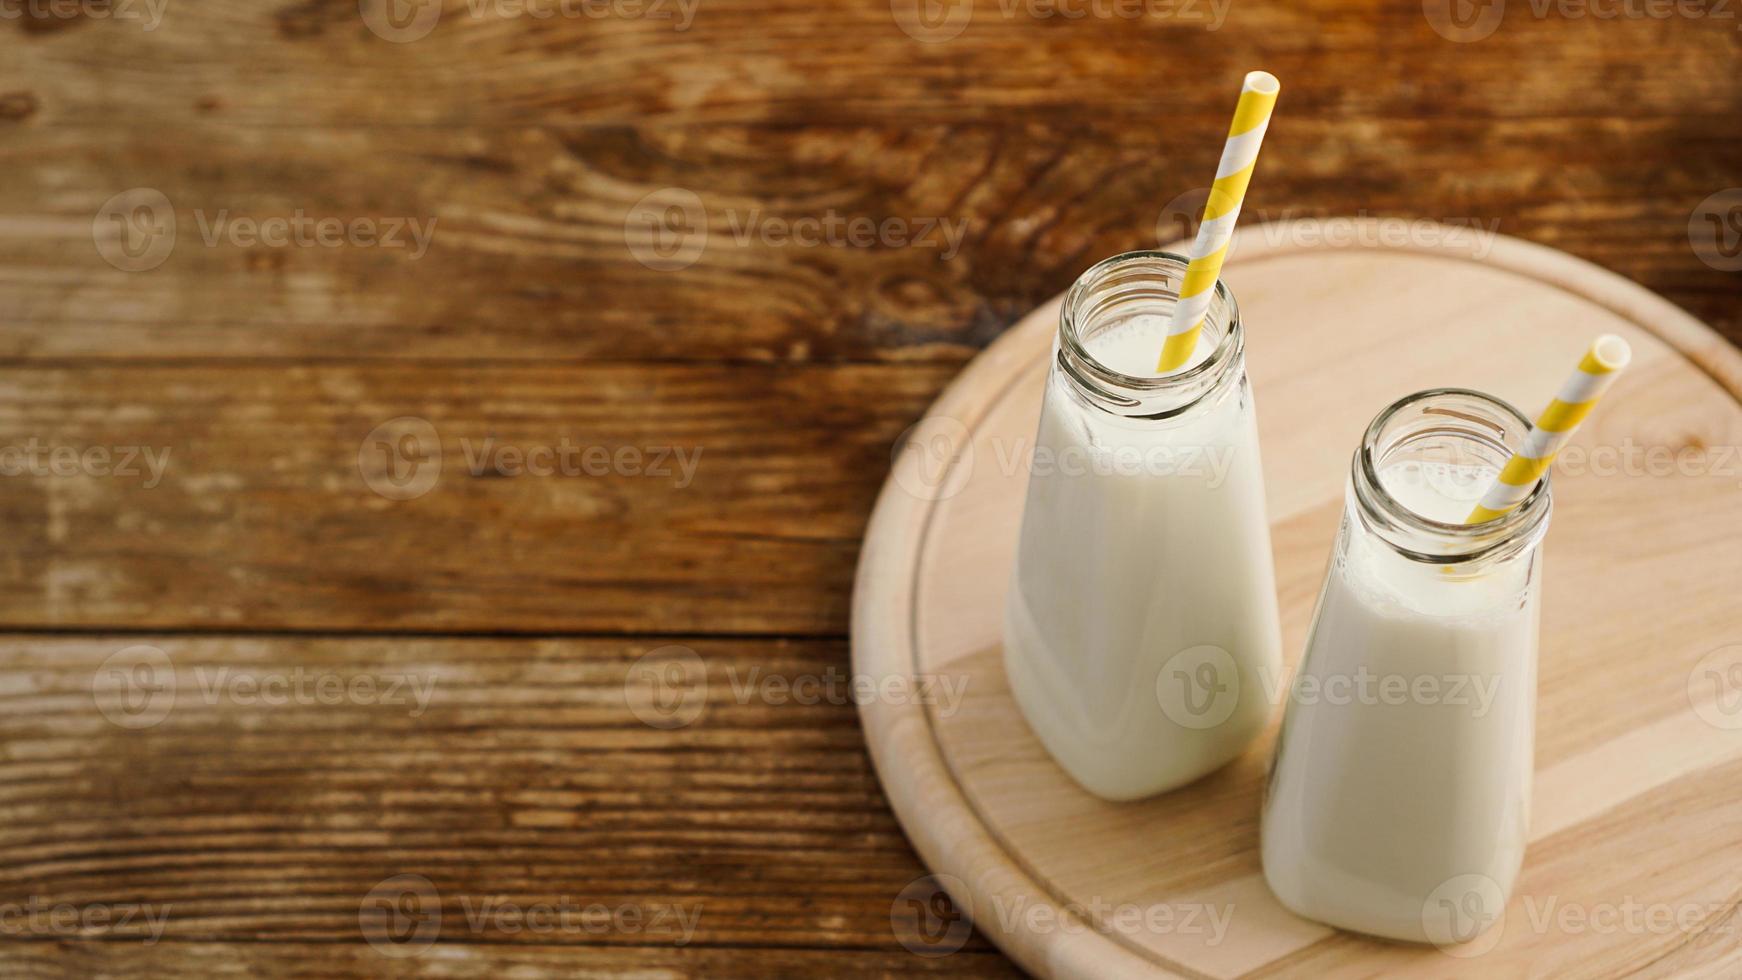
(1127, 390)
(1439, 542)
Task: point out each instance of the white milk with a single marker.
(1144, 539)
(1389, 812)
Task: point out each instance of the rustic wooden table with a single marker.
(383, 384)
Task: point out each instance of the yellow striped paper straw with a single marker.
(1597, 370)
(1239, 155)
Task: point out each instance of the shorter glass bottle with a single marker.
(1141, 633)
(1399, 798)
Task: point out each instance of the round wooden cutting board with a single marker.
(1635, 861)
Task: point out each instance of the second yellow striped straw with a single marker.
(1596, 372)
(1239, 156)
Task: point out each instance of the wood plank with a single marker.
(530, 252)
(310, 961)
(786, 62)
(681, 506)
(256, 789)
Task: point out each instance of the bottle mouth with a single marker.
(1450, 426)
(1147, 282)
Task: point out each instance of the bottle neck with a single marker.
(1109, 297)
(1423, 464)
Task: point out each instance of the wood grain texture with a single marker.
(263, 517)
(793, 63)
(1631, 752)
(506, 771)
(323, 961)
(529, 253)
(529, 141)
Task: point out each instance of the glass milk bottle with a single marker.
(1141, 635)
(1399, 797)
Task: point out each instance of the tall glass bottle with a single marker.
(1399, 797)
(1141, 631)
